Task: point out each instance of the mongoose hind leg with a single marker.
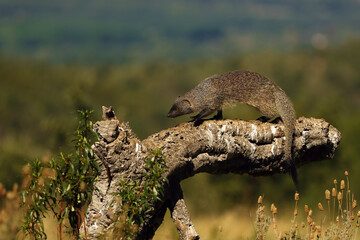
(267, 119)
(276, 120)
(263, 119)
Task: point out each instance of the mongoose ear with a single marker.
(187, 102)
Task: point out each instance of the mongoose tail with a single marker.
(287, 114)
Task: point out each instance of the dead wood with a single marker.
(215, 146)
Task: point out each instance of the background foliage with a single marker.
(39, 102)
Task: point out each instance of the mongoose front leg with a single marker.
(204, 113)
(218, 116)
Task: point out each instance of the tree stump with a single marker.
(215, 146)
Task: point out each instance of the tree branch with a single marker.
(180, 214)
(215, 147)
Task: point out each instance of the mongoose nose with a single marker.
(171, 114)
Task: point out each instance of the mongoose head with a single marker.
(180, 107)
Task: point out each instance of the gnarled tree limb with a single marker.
(216, 147)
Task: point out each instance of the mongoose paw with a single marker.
(218, 116)
(198, 122)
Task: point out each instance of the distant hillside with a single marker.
(117, 30)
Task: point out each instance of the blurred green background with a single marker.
(138, 56)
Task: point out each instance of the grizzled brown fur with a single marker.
(215, 92)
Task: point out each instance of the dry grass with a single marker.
(235, 224)
(339, 221)
(10, 214)
(334, 217)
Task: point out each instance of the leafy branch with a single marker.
(63, 186)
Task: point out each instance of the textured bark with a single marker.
(215, 146)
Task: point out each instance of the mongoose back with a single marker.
(215, 92)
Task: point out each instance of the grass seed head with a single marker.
(296, 196)
(273, 209)
(309, 220)
(342, 185)
(333, 192)
(306, 209)
(320, 206)
(354, 204)
(335, 182)
(313, 226)
(260, 199)
(340, 196)
(295, 212)
(346, 173)
(327, 194)
(310, 213)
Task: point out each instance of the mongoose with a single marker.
(215, 92)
